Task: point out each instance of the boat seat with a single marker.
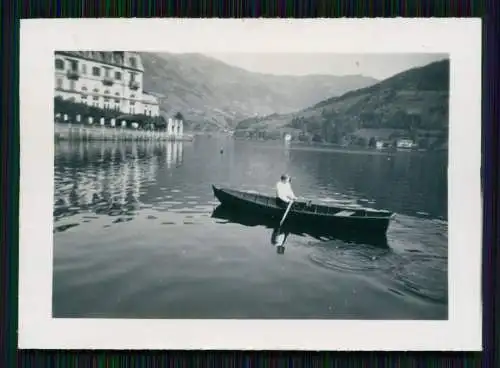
(345, 213)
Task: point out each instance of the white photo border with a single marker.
(460, 38)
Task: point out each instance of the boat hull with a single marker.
(327, 219)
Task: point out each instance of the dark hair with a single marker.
(284, 177)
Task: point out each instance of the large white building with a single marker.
(110, 80)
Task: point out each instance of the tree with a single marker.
(360, 141)
(72, 109)
(325, 129)
(373, 142)
(317, 138)
(423, 143)
(179, 116)
(302, 137)
(295, 123)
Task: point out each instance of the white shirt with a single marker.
(284, 191)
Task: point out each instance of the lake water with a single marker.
(134, 236)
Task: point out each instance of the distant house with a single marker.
(405, 143)
(381, 144)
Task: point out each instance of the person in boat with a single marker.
(284, 192)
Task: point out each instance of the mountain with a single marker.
(412, 103)
(213, 95)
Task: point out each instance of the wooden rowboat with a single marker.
(324, 218)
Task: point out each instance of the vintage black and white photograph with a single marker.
(250, 185)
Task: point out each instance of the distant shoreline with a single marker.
(332, 147)
(79, 132)
(357, 150)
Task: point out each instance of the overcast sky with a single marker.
(379, 66)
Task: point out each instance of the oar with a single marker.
(286, 213)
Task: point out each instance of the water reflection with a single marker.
(174, 153)
(403, 182)
(278, 239)
(106, 178)
(311, 229)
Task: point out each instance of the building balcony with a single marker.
(134, 85)
(108, 81)
(73, 74)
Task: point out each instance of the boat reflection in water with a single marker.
(280, 234)
(278, 239)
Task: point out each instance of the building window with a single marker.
(84, 69)
(59, 83)
(132, 62)
(132, 96)
(132, 77)
(74, 65)
(84, 88)
(117, 57)
(118, 76)
(72, 85)
(96, 90)
(59, 64)
(106, 92)
(96, 98)
(117, 100)
(106, 72)
(96, 72)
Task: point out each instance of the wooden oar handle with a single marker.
(286, 212)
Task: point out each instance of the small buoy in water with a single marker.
(221, 150)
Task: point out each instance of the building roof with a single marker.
(124, 59)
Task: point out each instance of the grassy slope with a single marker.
(409, 103)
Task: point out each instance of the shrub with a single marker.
(73, 109)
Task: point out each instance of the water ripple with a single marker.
(420, 271)
(339, 256)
